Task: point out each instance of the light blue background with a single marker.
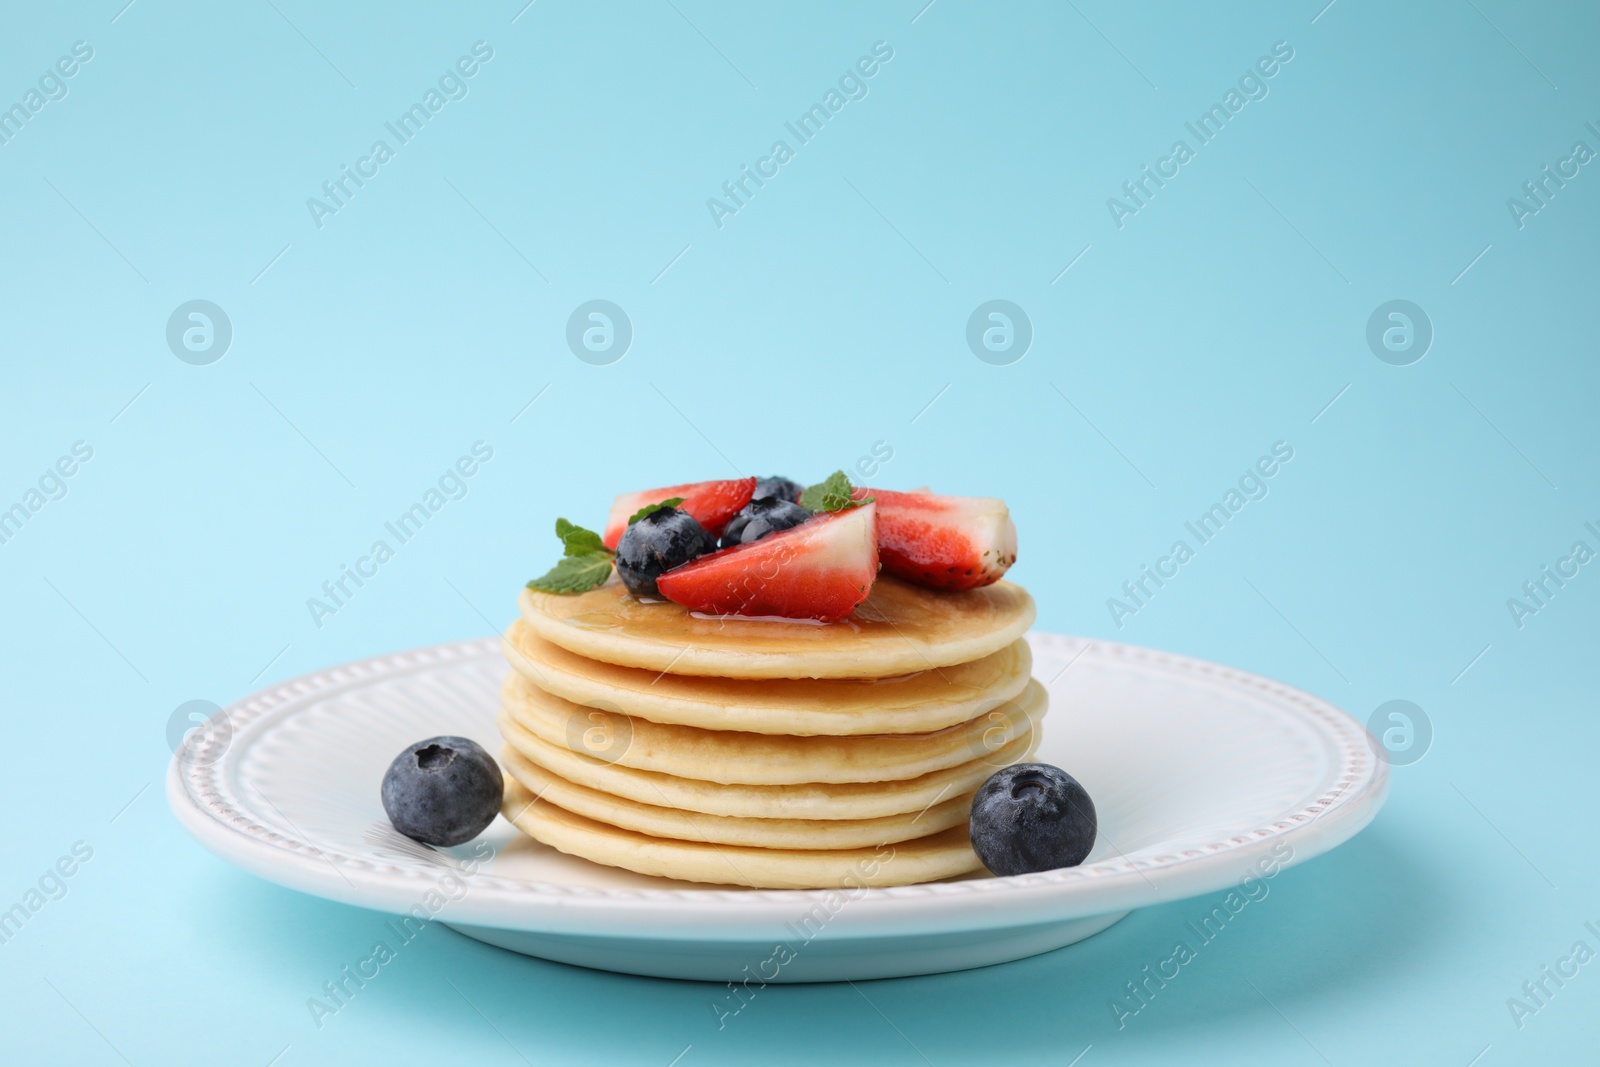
(821, 319)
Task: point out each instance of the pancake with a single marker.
(808, 834)
(942, 855)
(733, 757)
(826, 801)
(900, 629)
(915, 703)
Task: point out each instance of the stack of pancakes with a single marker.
(766, 753)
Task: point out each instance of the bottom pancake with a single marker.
(808, 834)
(942, 855)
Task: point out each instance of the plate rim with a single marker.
(202, 803)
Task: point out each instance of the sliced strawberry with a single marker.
(945, 542)
(711, 504)
(820, 569)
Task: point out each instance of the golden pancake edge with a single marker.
(675, 823)
(899, 629)
(732, 757)
(943, 855)
(814, 800)
(921, 701)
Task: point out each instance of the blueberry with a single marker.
(1031, 817)
(657, 543)
(762, 516)
(442, 791)
(779, 487)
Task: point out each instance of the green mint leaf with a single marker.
(832, 494)
(651, 509)
(576, 541)
(575, 574)
(586, 563)
(819, 496)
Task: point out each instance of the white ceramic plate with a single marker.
(1202, 776)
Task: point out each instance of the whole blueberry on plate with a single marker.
(1031, 817)
(779, 488)
(652, 546)
(442, 791)
(762, 516)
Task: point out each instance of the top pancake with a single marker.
(900, 629)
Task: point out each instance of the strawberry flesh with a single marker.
(821, 569)
(944, 542)
(711, 504)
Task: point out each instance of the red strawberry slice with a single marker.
(820, 569)
(945, 542)
(711, 504)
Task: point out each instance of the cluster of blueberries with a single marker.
(669, 537)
